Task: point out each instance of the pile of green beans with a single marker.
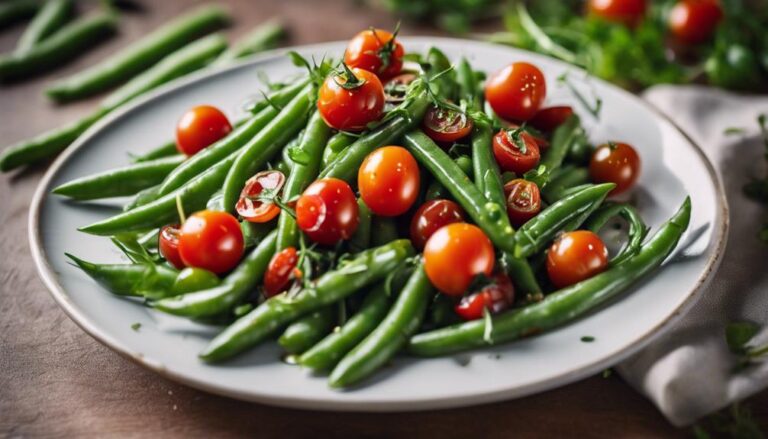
(350, 309)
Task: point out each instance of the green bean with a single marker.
(535, 234)
(445, 85)
(164, 150)
(254, 233)
(266, 143)
(361, 239)
(189, 58)
(60, 47)
(489, 216)
(192, 279)
(486, 170)
(562, 181)
(637, 228)
(559, 307)
(383, 230)
(349, 160)
(128, 279)
(233, 289)
(263, 37)
(436, 190)
(368, 267)
(195, 194)
(327, 353)
(563, 139)
(140, 55)
(47, 144)
(465, 77)
(264, 102)
(307, 330)
(121, 181)
(48, 20)
(381, 345)
(338, 143)
(303, 172)
(12, 11)
(230, 144)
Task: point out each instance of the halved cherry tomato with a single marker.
(615, 163)
(280, 271)
(327, 211)
(628, 12)
(547, 119)
(377, 51)
(694, 21)
(516, 151)
(495, 297)
(523, 200)
(200, 127)
(250, 207)
(351, 100)
(388, 180)
(575, 256)
(168, 245)
(517, 91)
(431, 216)
(396, 88)
(212, 240)
(445, 125)
(455, 254)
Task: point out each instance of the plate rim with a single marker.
(49, 276)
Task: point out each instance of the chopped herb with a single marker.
(733, 131)
(587, 339)
(136, 326)
(607, 373)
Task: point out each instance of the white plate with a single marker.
(672, 167)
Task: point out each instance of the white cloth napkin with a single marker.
(689, 371)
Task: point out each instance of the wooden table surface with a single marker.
(56, 380)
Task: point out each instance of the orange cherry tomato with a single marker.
(349, 101)
(388, 180)
(445, 125)
(455, 254)
(574, 257)
(516, 151)
(694, 21)
(615, 163)
(211, 240)
(377, 51)
(431, 216)
(327, 211)
(495, 297)
(249, 207)
(517, 91)
(168, 245)
(199, 128)
(280, 271)
(523, 200)
(627, 12)
(547, 119)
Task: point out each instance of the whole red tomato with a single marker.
(199, 128)
(516, 92)
(211, 240)
(694, 21)
(430, 217)
(455, 254)
(377, 51)
(388, 180)
(350, 100)
(327, 211)
(576, 256)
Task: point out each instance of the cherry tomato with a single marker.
(327, 211)
(523, 200)
(445, 125)
(388, 180)
(495, 297)
(627, 12)
(377, 51)
(254, 210)
(576, 256)
(455, 254)
(694, 21)
(431, 216)
(516, 151)
(396, 88)
(280, 271)
(351, 100)
(517, 91)
(212, 240)
(547, 119)
(200, 127)
(168, 245)
(615, 163)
